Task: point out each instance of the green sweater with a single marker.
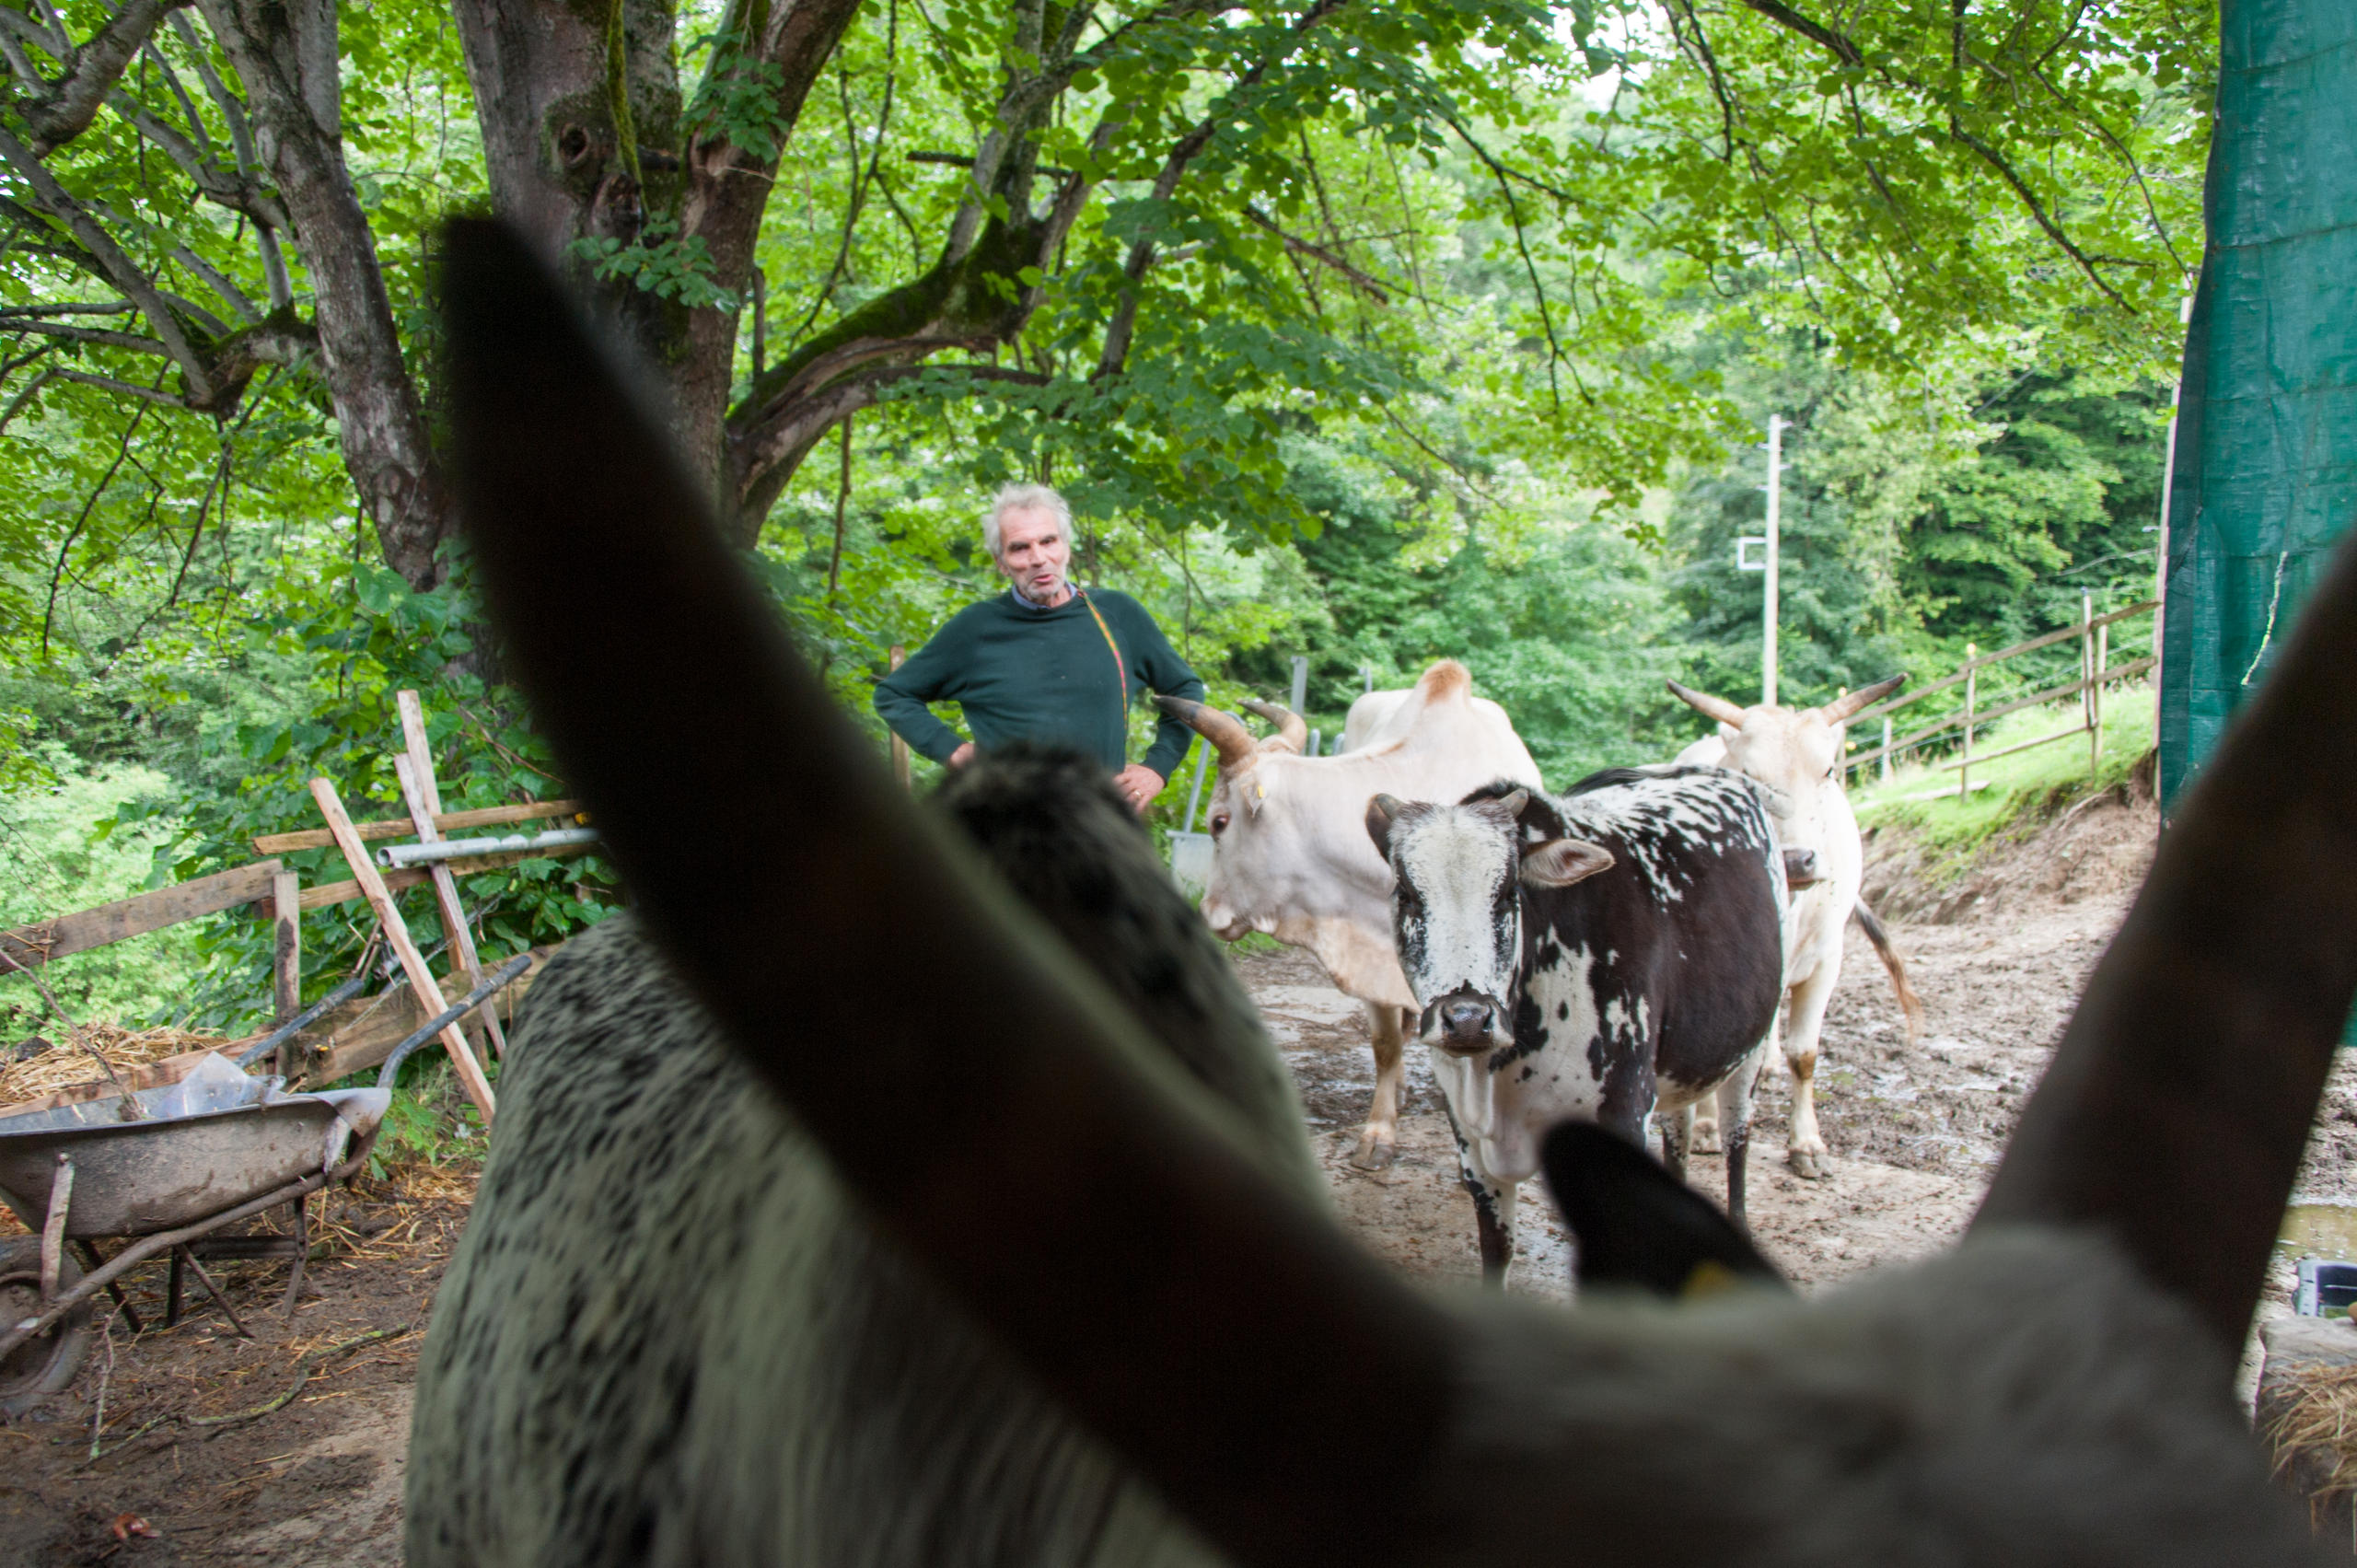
(1026, 674)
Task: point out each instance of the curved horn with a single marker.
(1213, 1324)
(1227, 733)
(1841, 709)
(1292, 728)
(1709, 707)
(2179, 1100)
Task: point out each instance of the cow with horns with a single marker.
(1290, 859)
(1797, 754)
(1114, 1243)
(1604, 954)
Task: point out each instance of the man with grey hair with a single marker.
(1047, 660)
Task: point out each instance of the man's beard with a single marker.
(1055, 591)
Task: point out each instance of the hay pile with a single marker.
(2313, 1432)
(67, 1063)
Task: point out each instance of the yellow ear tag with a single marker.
(1710, 1278)
(1261, 790)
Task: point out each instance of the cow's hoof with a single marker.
(1706, 1138)
(1808, 1164)
(1373, 1155)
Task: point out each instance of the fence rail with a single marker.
(2096, 673)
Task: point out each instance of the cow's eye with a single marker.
(1219, 823)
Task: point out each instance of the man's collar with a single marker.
(1070, 592)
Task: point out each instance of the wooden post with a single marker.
(1971, 694)
(1885, 748)
(423, 795)
(397, 936)
(900, 747)
(286, 958)
(2095, 698)
(2087, 674)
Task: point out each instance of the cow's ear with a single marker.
(1381, 812)
(1559, 863)
(1637, 1226)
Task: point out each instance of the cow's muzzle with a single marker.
(1466, 1023)
(1800, 869)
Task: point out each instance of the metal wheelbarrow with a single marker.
(194, 1158)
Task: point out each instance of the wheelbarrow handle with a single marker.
(493, 982)
(304, 1020)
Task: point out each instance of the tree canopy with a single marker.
(1367, 333)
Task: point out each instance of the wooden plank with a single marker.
(422, 795)
(407, 877)
(138, 915)
(397, 938)
(286, 955)
(2047, 639)
(402, 827)
(353, 1039)
(1979, 756)
(2115, 674)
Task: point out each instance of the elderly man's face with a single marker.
(1033, 552)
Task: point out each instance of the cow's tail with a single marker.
(1907, 1001)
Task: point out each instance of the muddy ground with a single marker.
(1997, 955)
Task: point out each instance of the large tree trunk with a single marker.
(587, 136)
(284, 55)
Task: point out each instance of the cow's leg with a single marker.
(1676, 1131)
(1804, 1022)
(1379, 1139)
(1494, 1226)
(1735, 1119)
(1492, 1210)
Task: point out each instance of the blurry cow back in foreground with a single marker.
(670, 1335)
(2056, 1391)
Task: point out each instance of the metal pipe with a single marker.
(1195, 796)
(494, 982)
(458, 849)
(304, 1020)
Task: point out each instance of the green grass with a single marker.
(2027, 784)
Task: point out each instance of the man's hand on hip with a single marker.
(963, 755)
(1139, 784)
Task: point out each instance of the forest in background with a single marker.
(1377, 336)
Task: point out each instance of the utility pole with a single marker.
(1768, 564)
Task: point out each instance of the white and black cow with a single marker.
(1116, 1245)
(1602, 954)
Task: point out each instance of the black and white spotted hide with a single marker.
(669, 1337)
(1611, 954)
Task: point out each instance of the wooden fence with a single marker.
(2096, 673)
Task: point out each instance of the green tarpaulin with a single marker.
(2264, 475)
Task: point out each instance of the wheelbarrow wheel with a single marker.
(46, 1363)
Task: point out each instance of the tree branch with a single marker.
(57, 572)
(128, 389)
(1372, 287)
(72, 101)
(1996, 160)
(120, 270)
(1825, 36)
(88, 335)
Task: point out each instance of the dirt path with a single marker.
(314, 1484)
(1998, 957)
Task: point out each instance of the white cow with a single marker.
(1290, 855)
(1797, 754)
